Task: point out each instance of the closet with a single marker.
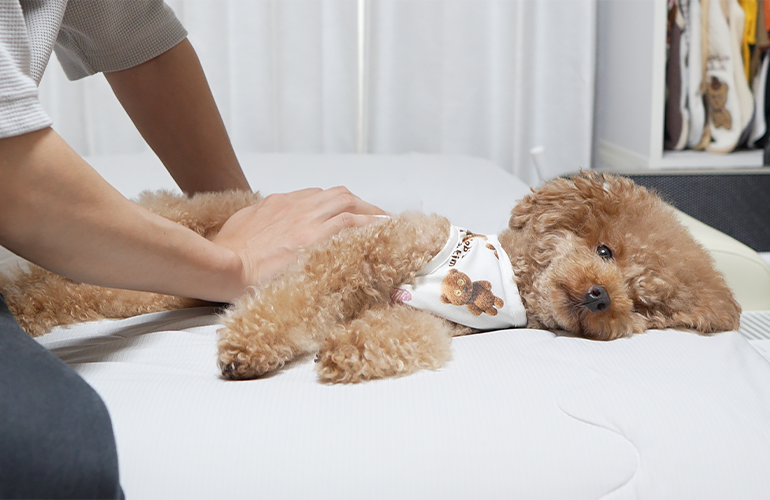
(631, 94)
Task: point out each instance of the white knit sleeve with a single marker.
(20, 110)
(112, 35)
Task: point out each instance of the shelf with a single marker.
(631, 93)
(702, 159)
(612, 157)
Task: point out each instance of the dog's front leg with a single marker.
(385, 341)
(351, 273)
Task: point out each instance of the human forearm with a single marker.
(59, 213)
(170, 102)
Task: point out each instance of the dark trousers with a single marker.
(56, 438)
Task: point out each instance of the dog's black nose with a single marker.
(597, 299)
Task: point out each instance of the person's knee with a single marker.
(56, 437)
(64, 448)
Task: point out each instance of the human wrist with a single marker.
(227, 277)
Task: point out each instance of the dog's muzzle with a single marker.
(597, 299)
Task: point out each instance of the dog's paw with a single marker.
(379, 345)
(233, 370)
(240, 361)
(350, 364)
(341, 366)
(239, 368)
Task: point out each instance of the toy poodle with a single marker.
(595, 255)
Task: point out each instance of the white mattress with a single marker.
(515, 414)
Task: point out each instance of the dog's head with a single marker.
(602, 257)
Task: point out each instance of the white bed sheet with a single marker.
(515, 414)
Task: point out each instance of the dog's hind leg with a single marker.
(41, 300)
(351, 273)
(384, 342)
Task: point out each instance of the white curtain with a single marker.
(488, 78)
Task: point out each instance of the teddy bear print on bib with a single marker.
(470, 282)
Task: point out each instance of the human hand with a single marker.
(270, 235)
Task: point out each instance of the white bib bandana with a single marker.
(469, 282)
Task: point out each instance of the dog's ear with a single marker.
(566, 203)
(710, 309)
(543, 206)
(681, 286)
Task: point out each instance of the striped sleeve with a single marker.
(20, 109)
(114, 35)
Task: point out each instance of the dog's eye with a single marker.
(604, 252)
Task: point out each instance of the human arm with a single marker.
(56, 211)
(169, 101)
